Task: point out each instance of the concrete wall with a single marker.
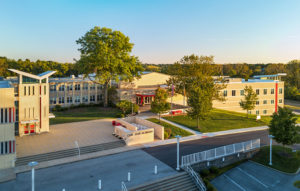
(140, 137)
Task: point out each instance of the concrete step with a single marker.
(68, 153)
(180, 182)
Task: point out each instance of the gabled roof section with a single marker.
(38, 77)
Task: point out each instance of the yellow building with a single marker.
(7, 125)
(32, 100)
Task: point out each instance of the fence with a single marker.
(219, 152)
(123, 186)
(197, 179)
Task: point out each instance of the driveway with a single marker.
(84, 175)
(63, 136)
(254, 177)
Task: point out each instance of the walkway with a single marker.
(84, 175)
(246, 177)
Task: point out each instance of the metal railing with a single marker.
(219, 152)
(123, 186)
(197, 179)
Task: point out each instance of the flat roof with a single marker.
(270, 75)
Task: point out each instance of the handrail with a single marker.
(197, 179)
(123, 185)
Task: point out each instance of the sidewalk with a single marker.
(182, 127)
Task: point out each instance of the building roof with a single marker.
(5, 84)
(271, 75)
(38, 77)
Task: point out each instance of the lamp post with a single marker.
(271, 137)
(32, 165)
(178, 137)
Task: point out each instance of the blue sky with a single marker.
(163, 31)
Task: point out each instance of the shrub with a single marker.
(208, 185)
(166, 135)
(169, 131)
(58, 108)
(297, 184)
(120, 115)
(214, 170)
(204, 172)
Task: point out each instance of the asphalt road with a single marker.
(167, 153)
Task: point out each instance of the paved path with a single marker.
(254, 177)
(84, 175)
(63, 136)
(182, 127)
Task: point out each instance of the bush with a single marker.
(169, 131)
(120, 115)
(214, 170)
(208, 185)
(297, 184)
(166, 135)
(204, 172)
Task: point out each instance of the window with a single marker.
(7, 147)
(70, 87)
(6, 115)
(257, 112)
(85, 86)
(280, 101)
(28, 90)
(233, 93)
(85, 98)
(272, 101)
(77, 99)
(33, 90)
(257, 91)
(257, 103)
(93, 87)
(77, 87)
(242, 92)
(69, 99)
(265, 101)
(2, 116)
(99, 97)
(265, 91)
(24, 90)
(92, 98)
(272, 91)
(225, 93)
(280, 90)
(53, 100)
(52, 88)
(45, 90)
(99, 87)
(61, 100)
(61, 88)
(265, 111)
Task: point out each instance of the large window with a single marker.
(233, 93)
(242, 92)
(92, 98)
(70, 99)
(93, 87)
(77, 87)
(272, 101)
(265, 112)
(62, 88)
(265, 101)
(85, 86)
(52, 88)
(7, 147)
(70, 87)
(225, 93)
(280, 101)
(99, 97)
(280, 90)
(257, 91)
(272, 91)
(61, 100)
(77, 99)
(265, 91)
(257, 103)
(52, 100)
(28, 80)
(85, 99)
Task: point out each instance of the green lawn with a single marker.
(219, 120)
(283, 159)
(171, 128)
(83, 114)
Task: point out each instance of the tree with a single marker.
(283, 126)
(106, 53)
(275, 68)
(250, 99)
(127, 107)
(293, 73)
(160, 104)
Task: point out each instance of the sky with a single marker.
(163, 31)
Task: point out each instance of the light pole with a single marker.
(32, 165)
(178, 137)
(271, 137)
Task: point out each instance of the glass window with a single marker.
(70, 99)
(45, 90)
(77, 99)
(257, 91)
(257, 103)
(99, 97)
(280, 101)
(225, 93)
(85, 99)
(265, 101)
(70, 87)
(265, 111)
(62, 88)
(24, 90)
(92, 98)
(233, 93)
(265, 91)
(242, 92)
(272, 101)
(33, 90)
(92, 86)
(257, 112)
(272, 91)
(99, 87)
(28, 90)
(85, 86)
(280, 90)
(61, 100)
(52, 88)
(52, 100)
(77, 87)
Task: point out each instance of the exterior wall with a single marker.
(82, 96)
(140, 137)
(7, 129)
(232, 102)
(34, 106)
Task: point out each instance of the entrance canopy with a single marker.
(144, 98)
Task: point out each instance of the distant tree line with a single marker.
(37, 67)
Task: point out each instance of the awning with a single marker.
(29, 121)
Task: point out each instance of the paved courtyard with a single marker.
(63, 136)
(254, 177)
(84, 175)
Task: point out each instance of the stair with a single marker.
(68, 152)
(182, 182)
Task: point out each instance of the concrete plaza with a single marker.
(63, 136)
(254, 177)
(84, 175)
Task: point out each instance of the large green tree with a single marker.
(107, 54)
(250, 99)
(293, 73)
(160, 104)
(283, 126)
